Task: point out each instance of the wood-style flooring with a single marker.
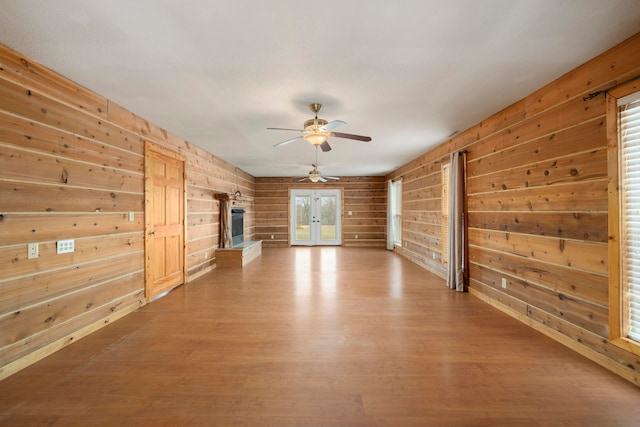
(318, 337)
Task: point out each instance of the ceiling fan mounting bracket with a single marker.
(315, 107)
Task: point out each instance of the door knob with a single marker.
(152, 233)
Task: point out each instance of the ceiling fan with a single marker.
(315, 175)
(318, 131)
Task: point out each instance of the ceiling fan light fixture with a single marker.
(318, 131)
(314, 176)
(316, 138)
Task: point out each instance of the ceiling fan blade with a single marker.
(334, 125)
(287, 141)
(303, 179)
(297, 130)
(331, 177)
(325, 146)
(321, 179)
(351, 136)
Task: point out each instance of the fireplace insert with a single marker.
(237, 226)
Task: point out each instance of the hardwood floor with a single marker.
(318, 337)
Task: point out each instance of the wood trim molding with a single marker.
(616, 291)
(615, 327)
(148, 145)
(625, 89)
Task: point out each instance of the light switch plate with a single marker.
(33, 250)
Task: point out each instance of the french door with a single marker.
(316, 217)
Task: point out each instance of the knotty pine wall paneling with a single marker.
(72, 167)
(365, 197)
(537, 208)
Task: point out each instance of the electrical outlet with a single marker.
(349, 213)
(273, 237)
(206, 255)
(356, 236)
(504, 283)
(131, 216)
(33, 250)
(65, 246)
(433, 255)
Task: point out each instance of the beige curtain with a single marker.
(225, 224)
(457, 243)
(390, 207)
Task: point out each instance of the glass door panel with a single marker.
(302, 218)
(328, 218)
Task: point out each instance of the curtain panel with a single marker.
(390, 204)
(457, 243)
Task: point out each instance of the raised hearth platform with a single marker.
(240, 255)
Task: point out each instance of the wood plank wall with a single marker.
(365, 197)
(72, 167)
(537, 207)
(422, 213)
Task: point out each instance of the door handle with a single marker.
(152, 233)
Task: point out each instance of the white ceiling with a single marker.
(408, 73)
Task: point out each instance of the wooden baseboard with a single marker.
(626, 373)
(200, 273)
(17, 365)
(438, 271)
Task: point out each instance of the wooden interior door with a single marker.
(164, 220)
